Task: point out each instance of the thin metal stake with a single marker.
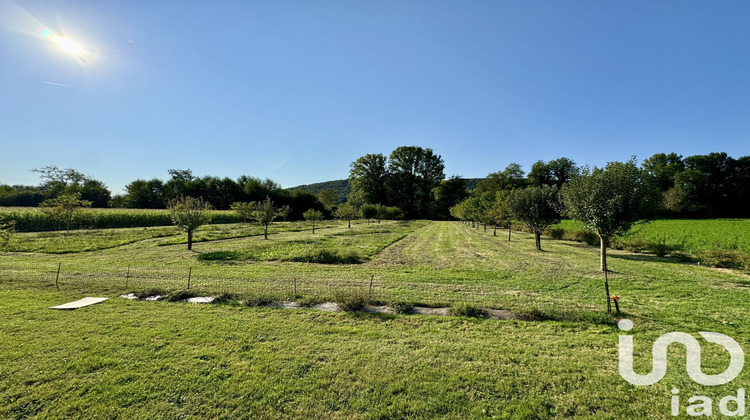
(57, 279)
(190, 273)
(127, 276)
(295, 286)
(369, 294)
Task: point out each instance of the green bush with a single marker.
(402, 308)
(586, 236)
(465, 309)
(351, 300)
(180, 295)
(556, 233)
(724, 258)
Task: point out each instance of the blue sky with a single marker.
(296, 90)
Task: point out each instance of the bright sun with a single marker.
(65, 44)
(69, 46)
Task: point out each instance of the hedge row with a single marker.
(34, 220)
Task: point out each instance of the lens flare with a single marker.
(66, 44)
(69, 46)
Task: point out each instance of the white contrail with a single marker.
(59, 84)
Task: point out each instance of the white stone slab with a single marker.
(80, 303)
(200, 299)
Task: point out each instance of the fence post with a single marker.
(369, 294)
(190, 273)
(57, 279)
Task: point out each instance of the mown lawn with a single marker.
(136, 359)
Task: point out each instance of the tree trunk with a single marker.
(494, 230)
(265, 231)
(485, 227)
(606, 290)
(538, 238)
(350, 224)
(190, 239)
(509, 230)
(313, 227)
(603, 247)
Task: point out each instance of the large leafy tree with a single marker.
(663, 168)
(142, 194)
(447, 194)
(414, 173)
(510, 178)
(536, 207)
(57, 182)
(367, 177)
(609, 201)
(189, 213)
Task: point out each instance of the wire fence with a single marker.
(198, 280)
(249, 282)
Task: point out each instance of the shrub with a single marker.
(143, 294)
(307, 301)
(402, 308)
(226, 297)
(556, 233)
(723, 258)
(351, 300)
(179, 295)
(262, 300)
(630, 244)
(661, 248)
(464, 309)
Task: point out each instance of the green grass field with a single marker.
(692, 236)
(138, 359)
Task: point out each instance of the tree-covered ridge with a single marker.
(412, 179)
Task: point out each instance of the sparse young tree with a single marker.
(65, 209)
(499, 212)
(284, 212)
(265, 212)
(347, 212)
(609, 201)
(189, 213)
(537, 208)
(243, 209)
(313, 216)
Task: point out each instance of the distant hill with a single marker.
(342, 187)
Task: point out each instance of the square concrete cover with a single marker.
(80, 303)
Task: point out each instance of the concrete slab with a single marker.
(328, 307)
(80, 303)
(200, 299)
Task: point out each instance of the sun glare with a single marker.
(66, 44)
(69, 46)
